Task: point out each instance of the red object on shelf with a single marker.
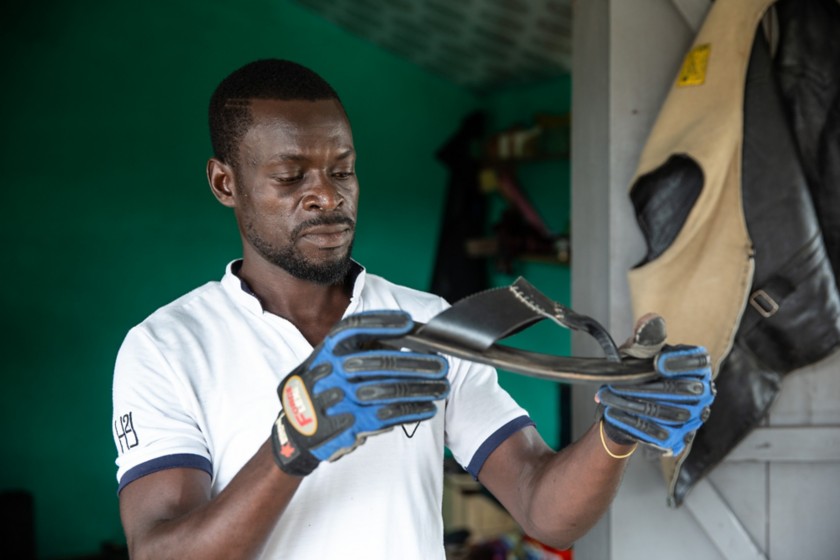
(535, 549)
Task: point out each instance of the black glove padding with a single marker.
(343, 393)
(665, 412)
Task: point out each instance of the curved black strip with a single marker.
(478, 321)
(179, 460)
(532, 364)
(470, 328)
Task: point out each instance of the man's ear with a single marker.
(222, 183)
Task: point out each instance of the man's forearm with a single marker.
(169, 518)
(575, 488)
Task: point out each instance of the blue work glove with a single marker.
(664, 413)
(343, 393)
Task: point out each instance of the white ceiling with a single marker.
(479, 44)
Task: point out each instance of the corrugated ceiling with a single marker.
(479, 44)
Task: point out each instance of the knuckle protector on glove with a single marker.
(666, 412)
(657, 410)
(403, 410)
(353, 331)
(342, 393)
(683, 360)
(380, 392)
(670, 388)
(672, 439)
(636, 425)
(394, 363)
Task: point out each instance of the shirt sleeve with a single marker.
(480, 414)
(154, 416)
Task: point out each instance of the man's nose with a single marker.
(323, 194)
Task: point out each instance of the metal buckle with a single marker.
(763, 303)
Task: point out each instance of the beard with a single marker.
(290, 259)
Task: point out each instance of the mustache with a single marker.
(326, 220)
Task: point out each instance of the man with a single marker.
(352, 466)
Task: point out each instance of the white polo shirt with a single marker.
(195, 386)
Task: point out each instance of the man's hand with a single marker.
(343, 393)
(666, 412)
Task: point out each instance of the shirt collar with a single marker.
(245, 296)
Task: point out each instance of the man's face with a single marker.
(296, 188)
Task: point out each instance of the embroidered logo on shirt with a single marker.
(124, 430)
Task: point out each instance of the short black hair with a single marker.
(230, 113)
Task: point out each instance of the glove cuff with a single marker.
(289, 456)
(606, 447)
(612, 432)
(617, 435)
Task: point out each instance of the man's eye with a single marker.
(343, 174)
(285, 179)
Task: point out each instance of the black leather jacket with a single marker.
(791, 197)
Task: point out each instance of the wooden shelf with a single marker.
(488, 247)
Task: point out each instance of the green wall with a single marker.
(107, 214)
(547, 184)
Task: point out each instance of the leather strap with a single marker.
(471, 328)
(480, 320)
(770, 294)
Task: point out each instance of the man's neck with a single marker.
(313, 308)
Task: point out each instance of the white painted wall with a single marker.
(626, 54)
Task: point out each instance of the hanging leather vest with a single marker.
(717, 184)
(806, 61)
